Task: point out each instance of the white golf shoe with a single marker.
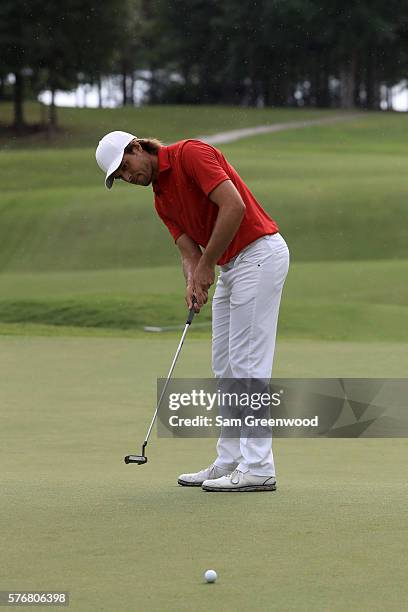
(238, 481)
(196, 479)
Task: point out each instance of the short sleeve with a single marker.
(201, 163)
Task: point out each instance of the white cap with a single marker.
(109, 153)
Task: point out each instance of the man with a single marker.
(214, 219)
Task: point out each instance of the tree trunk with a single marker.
(52, 111)
(321, 83)
(265, 90)
(357, 83)
(252, 90)
(389, 98)
(205, 90)
(124, 87)
(348, 80)
(372, 88)
(99, 86)
(132, 89)
(185, 73)
(356, 94)
(153, 89)
(278, 90)
(233, 90)
(18, 101)
(43, 114)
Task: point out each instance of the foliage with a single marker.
(251, 53)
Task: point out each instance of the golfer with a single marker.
(214, 219)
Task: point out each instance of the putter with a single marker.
(142, 459)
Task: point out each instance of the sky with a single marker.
(87, 95)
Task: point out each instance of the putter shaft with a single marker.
(141, 459)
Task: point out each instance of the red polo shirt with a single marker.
(188, 171)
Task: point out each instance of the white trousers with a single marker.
(245, 311)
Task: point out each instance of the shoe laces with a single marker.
(211, 468)
(235, 476)
(214, 467)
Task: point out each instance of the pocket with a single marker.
(272, 249)
(254, 257)
(257, 252)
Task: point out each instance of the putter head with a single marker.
(139, 459)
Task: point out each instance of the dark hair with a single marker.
(151, 145)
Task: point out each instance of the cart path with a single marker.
(232, 135)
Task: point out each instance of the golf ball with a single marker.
(210, 576)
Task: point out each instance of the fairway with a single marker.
(329, 202)
(129, 538)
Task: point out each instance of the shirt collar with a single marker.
(163, 159)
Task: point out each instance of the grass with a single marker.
(82, 270)
(122, 537)
(74, 255)
(364, 301)
(293, 358)
(80, 127)
(77, 259)
(341, 202)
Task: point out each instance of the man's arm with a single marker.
(231, 212)
(190, 256)
(229, 218)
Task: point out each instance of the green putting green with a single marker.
(127, 538)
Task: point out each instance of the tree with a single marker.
(74, 37)
(17, 46)
(57, 41)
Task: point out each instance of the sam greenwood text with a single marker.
(249, 421)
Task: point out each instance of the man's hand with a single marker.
(190, 257)
(189, 298)
(203, 278)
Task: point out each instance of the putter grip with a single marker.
(191, 313)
